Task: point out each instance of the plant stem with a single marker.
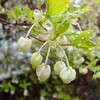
(47, 55)
(43, 46)
(64, 55)
(79, 26)
(31, 29)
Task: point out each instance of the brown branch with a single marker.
(27, 24)
(21, 24)
(66, 44)
(30, 34)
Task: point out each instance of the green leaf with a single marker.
(36, 31)
(84, 9)
(17, 11)
(87, 46)
(55, 7)
(43, 92)
(63, 27)
(25, 9)
(10, 14)
(82, 41)
(28, 12)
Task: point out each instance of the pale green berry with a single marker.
(36, 59)
(94, 76)
(62, 40)
(83, 70)
(67, 74)
(24, 44)
(98, 74)
(43, 72)
(73, 73)
(58, 67)
(70, 48)
(60, 53)
(64, 75)
(81, 60)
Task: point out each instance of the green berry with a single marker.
(24, 44)
(67, 74)
(36, 59)
(83, 70)
(43, 72)
(59, 66)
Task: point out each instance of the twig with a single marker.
(30, 34)
(21, 24)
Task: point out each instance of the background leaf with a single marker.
(84, 9)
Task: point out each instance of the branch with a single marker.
(30, 34)
(27, 24)
(21, 24)
(66, 44)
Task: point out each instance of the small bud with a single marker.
(36, 59)
(24, 44)
(43, 72)
(59, 66)
(38, 15)
(47, 25)
(67, 74)
(83, 70)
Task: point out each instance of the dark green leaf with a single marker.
(17, 12)
(63, 27)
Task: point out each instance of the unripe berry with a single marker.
(83, 70)
(58, 67)
(62, 40)
(24, 44)
(73, 74)
(81, 60)
(70, 48)
(94, 76)
(36, 59)
(67, 74)
(98, 74)
(43, 72)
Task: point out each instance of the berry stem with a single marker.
(43, 46)
(64, 55)
(47, 55)
(31, 29)
(79, 26)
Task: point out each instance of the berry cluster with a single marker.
(43, 71)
